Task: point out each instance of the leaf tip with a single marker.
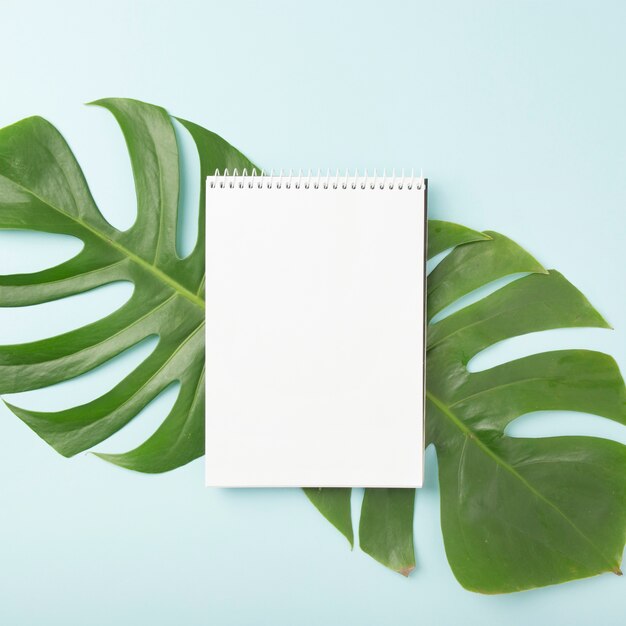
(16, 410)
(616, 570)
(602, 321)
(349, 535)
(607, 325)
(95, 103)
(103, 455)
(405, 571)
(537, 268)
(109, 458)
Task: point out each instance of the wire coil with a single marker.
(313, 180)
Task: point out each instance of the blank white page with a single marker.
(314, 333)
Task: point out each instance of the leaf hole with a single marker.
(144, 424)
(543, 341)
(541, 424)
(29, 251)
(98, 143)
(189, 193)
(356, 504)
(40, 321)
(432, 263)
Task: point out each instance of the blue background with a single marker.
(515, 111)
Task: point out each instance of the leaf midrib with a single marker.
(153, 269)
(470, 435)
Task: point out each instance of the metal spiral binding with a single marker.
(312, 180)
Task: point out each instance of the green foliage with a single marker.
(516, 512)
(42, 188)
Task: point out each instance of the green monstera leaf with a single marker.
(521, 512)
(516, 513)
(42, 188)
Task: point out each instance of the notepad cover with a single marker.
(314, 335)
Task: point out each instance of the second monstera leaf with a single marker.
(521, 512)
(516, 513)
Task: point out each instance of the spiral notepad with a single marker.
(315, 330)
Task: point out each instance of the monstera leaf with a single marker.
(516, 513)
(521, 512)
(42, 188)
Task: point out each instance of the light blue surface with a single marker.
(516, 112)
